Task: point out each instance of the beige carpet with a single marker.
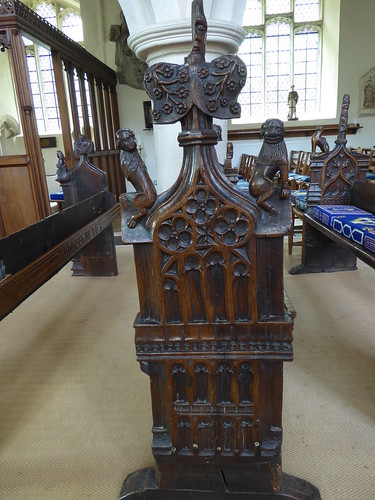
(75, 414)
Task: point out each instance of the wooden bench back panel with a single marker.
(332, 174)
(22, 248)
(109, 162)
(362, 195)
(17, 194)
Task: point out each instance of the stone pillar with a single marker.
(160, 31)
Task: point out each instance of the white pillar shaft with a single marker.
(160, 31)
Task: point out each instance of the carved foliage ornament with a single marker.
(213, 87)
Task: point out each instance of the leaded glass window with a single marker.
(43, 89)
(79, 100)
(71, 25)
(39, 62)
(281, 49)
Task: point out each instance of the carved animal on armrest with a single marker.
(61, 167)
(135, 171)
(272, 158)
(318, 141)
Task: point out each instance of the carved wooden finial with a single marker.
(212, 87)
(83, 146)
(343, 124)
(199, 33)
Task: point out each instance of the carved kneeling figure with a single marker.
(272, 158)
(135, 171)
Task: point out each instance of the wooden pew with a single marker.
(31, 257)
(332, 252)
(333, 182)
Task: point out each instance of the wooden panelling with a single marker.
(17, 194)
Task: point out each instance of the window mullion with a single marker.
(264, 78)
(40, 84)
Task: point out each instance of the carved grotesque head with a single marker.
(272, 130)
(125, 139)
(219, 132)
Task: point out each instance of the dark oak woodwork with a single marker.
(25, 104)
(328, 251)
(214, 328)
(94, 110)
(16, 20)
(17, 194)
(337, 177)
(102, 116)
(63, 108)
(109, 162)
(69, 69)
(85, 112)
(51, 243)
(78, 183)
(84, 229)
(114, 107)
(108, 113)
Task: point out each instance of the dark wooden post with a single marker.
(94, 110)
(17, 57)
(63, 108)
(85, 112)
(102, 117)
(69, 68)
(108, 112)
(114, 106)
(213, 329)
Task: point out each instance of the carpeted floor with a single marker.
(75, 414)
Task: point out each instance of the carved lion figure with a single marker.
(318, 141)
(135, 171)
(272, 158)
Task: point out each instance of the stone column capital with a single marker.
(172, 42)
(161, 31)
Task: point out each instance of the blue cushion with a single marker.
(360, 229)
(242, 184)
(326, 213)
(57, 196)
(349, 221)
(299, 198)
(301, 203)
(370, 176)
(297, 193)
(299, 177)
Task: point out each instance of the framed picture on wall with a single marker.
(367, 94)
(147, 110)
